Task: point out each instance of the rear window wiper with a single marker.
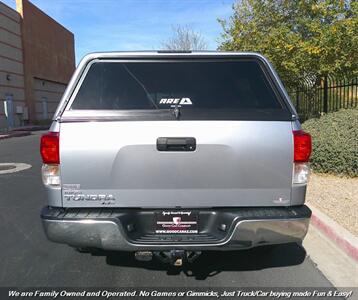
(176, 111)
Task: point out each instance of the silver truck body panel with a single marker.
(236, 163)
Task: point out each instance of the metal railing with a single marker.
(330, 94)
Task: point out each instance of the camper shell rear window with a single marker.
(200, 89)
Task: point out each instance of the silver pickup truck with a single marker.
(168, 154)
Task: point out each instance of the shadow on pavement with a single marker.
(211, 263)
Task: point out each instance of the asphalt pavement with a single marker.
(28, 259)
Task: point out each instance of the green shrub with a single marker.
(335, 142)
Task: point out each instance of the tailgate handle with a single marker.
(176, 144)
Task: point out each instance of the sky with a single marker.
(120, 25)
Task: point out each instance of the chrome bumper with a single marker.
(110, 234)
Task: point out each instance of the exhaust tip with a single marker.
(143, 255)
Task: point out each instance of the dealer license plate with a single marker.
(176, 222)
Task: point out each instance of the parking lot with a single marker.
(27, 259)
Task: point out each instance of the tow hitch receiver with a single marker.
(177, 257)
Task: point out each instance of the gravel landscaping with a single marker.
(337, 197)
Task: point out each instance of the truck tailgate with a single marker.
(117, 164)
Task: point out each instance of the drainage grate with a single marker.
(5, 167)
(8, 168)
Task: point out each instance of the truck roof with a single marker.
(170, 53)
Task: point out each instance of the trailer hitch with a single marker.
(177, 257)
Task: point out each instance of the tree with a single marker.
(306, 39)
(184, 38)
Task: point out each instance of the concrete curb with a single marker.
(14, 134)
(335, 232)
(31, 128)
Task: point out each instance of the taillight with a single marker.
(50, 148)
(50, 153)
(302, 148)
(51, 175)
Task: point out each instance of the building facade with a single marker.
(37, 59)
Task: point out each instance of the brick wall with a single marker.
(11, 63)
(48, 52)
(37, 59)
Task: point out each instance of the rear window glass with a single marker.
(195, 85)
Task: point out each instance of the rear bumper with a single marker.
(129, 230)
